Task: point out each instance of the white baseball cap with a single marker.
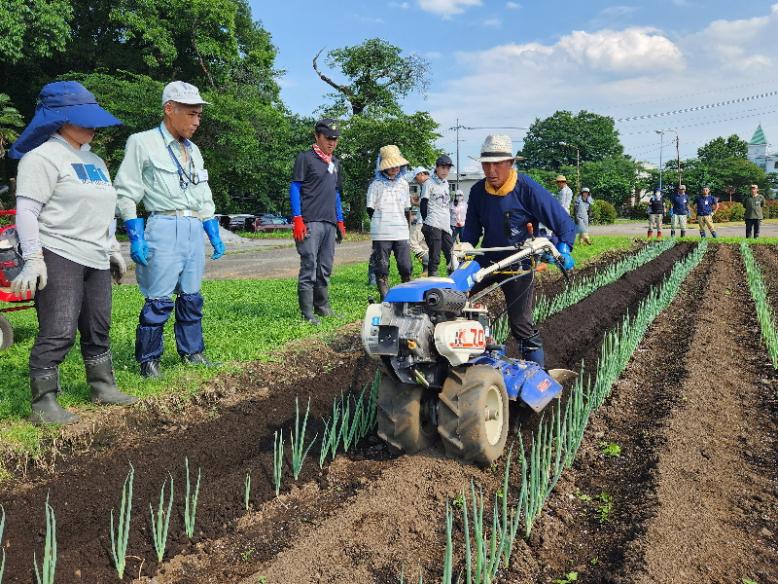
(182, 92)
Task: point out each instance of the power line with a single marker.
(698, 108)
(719, 121)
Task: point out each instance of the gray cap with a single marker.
(182, 92)
(419, 170)
(444, 160)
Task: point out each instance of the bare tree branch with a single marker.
(344, 89)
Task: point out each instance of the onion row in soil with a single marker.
(83, 490)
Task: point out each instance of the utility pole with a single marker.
(661, 146)
(678, 158)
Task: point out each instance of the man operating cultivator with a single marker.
(444, 375)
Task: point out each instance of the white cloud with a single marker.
(512, 5)
(492, 23)
(447, 8)
(400, 5)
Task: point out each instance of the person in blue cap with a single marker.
(500, 208)
(164, 170)
(65, 208)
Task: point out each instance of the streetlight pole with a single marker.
(661, 146)
(677, 150)
(577, 166)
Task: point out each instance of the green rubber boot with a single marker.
(99, 376)
(44, 385)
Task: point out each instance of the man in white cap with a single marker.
(164, 170)
(500, 208)
(565, 194)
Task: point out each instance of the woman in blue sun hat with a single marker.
(64, 211)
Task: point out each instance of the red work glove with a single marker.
(299, 231)
(341, 231)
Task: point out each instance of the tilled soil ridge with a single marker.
(714, 486)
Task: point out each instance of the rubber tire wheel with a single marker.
(462, 422)
(400, 421)
(6, 333)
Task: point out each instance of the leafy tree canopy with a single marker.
(551, 142)
(33, 28)
(377, 75)
(722, 148)
(10, 122)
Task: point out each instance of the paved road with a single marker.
(277, 258)
(262, 259)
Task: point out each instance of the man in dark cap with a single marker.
(315, 195)
(435, 202)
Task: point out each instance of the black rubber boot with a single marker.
(672, 233)
(321, 302)
(305, 298)
(199, 359)
(683, 233)
(532, 349)
(383, 286)
(151, 369)
(44, 385)
(99, 376)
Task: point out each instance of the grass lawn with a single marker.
(245, 320)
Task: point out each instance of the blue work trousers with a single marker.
(176, 262)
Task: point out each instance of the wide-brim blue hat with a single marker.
(60, 103)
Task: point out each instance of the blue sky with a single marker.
(503, 63)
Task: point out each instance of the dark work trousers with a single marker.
(317, 254)
(76, 298)
(752, 225)
(402, 255)
(519, 300)
(437, 241)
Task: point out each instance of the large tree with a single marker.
(722, 148)
(553, 142)
(377, 76)
(613, 179)
(10, 122)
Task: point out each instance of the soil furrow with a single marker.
(238, 438)
(715, 475)
(433, 480)
(767, 256)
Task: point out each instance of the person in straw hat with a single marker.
(501, 207)
(389, 205)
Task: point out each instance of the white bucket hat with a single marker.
(496, 148)
(182, 92)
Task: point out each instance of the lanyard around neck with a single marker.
(184, 178)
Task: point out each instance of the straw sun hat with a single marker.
(391, 157)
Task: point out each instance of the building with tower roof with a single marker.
(758, 153)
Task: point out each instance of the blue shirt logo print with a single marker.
(89, 173)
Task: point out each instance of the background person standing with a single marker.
(164, 170)
(656, 212)
(458, 211)
(435, 201)
(65, 204)
(581, 207)
(754, 204)
(707, 205)
(418, 246)
(315, 196)
(679, 207)
(389, 206)
(565, 194)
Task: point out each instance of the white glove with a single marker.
(118, 265)
(32, 276)
(462, 248)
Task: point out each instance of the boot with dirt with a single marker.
(650, 234)
(44, 385)
(102, 383)
(383, 286)
(321, 302)
(305, 297)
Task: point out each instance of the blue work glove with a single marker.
(567, 260)
(139, 249)
(211, 227)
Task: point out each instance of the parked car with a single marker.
(267, 223)
(240, 222)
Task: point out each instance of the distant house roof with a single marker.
(758, 137)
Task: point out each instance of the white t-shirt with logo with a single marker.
(389, 201)
(79, 201)
(438, 197)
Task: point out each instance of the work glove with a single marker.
(299, 231)
(566, 258)
(341, 232)
(117, 264)
(461, 248)
(211, 227)
(33, 276)
(139, 249)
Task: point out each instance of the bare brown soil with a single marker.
(767, 256)
(239, 438)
